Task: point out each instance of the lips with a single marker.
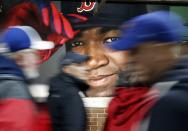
(101, 80)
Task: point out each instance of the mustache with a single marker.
(103, 71)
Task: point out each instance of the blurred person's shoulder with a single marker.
(14, 89)
(173, 102)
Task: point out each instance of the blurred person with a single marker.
(65, 103)
(18, 58)
(100, 30)
(44, 17)
(152, 41)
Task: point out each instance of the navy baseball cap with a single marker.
(72, 57)
(103, 14)
(160, 26)
(17, 38)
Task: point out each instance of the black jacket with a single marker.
(65, 104)
(171, 111)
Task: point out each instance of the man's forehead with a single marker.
(97, 30)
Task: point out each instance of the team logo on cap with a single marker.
(86, 6)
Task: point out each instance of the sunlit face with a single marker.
(103, 64)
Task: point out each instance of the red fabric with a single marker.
(24, 14)
(56, 18)
(45, 16)
(67, 27)
(44, 121)
(129, 107)
(17, 115)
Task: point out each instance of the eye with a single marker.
(77, 43)
(109, 40)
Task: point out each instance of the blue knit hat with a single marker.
(17, 38)
(158, 26)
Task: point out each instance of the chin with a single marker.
(101, 87)
(103, 83)
(106, 90)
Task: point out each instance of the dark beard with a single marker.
(124, 81)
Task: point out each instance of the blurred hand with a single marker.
(77, 70)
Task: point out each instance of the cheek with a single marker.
(80, 50)
(120, 58)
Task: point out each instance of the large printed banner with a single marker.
(131, 1)
(150, 1)
(77, 24)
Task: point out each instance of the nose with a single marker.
(97, 57)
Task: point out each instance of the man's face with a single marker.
(27, 60)
(103, 64)
(147, 62)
